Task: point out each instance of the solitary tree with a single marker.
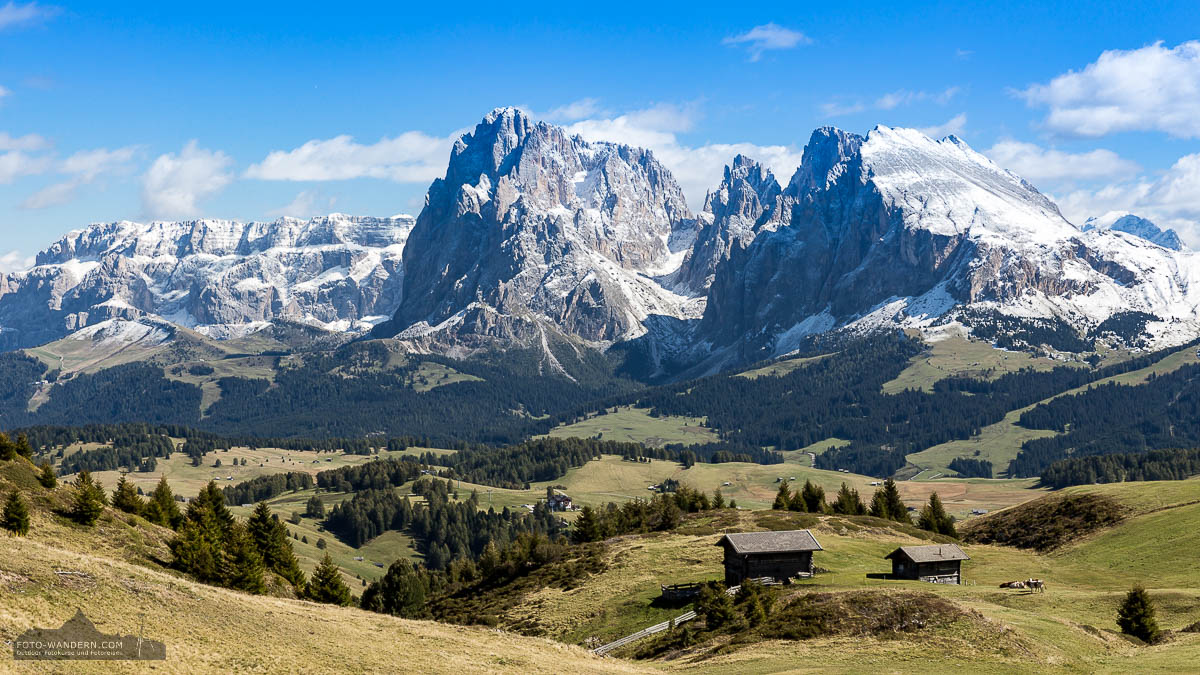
(935, 519)
(326, 584)
(401, 592)
(783, 498)
(314, 508)
(718, 500)
(15, 518)
(162, 508)
(89, 499)
(886, 503)
(125, 497)
(813, 497)
(46, 477)
(1136, 616)
(848, 503)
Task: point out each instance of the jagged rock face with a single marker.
(221, 277)
(896, 227)
(747, 201)
(1137, 226)
(533, 228)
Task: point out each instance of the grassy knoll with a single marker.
(958, 355)
(636, 425)
(782, 367)
(999, 443)
(754, 485)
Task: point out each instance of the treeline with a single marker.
(1010, 332)
(841, 397)
(265, 487)
(1162, 413)
(1174, 464)
(969, 467)
(444, 530)
(661, 513)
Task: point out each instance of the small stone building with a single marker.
(935, 563)
(778, 555)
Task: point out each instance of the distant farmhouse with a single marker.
(936, 563)
(778, 555)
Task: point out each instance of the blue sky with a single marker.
(152, 110)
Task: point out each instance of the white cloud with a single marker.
(953, 126)
(768, 36)
(696, 168)
(1035, 163)
(835, 109)
(14, 261)
(12, 14)
(174, 184)
(1171, 199)
(1152, 88)
(307, 204)
(575, 110)
(411, 157)
(15, 164)
(83, 167)
(4, 91)
(27, 142)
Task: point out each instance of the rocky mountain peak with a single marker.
(1137, 226)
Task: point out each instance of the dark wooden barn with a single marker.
(936, 563)
(778, 555)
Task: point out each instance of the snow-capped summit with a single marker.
(221, 277)
(1121, 221)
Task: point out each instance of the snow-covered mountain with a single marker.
(1127, 222)
(222, 278)
(536, 236)
(533, 230)
(896, 228)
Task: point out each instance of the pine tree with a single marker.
(783, 498)
(196, 553)
(813, 497)
(271, 540)
(401, 592)
(935, 519)
(848, 502)
(242, 566)
(718, 500)
(46, 477)
(125, 498)
(327, 586)
(315, 508)
(8, 451)
(22, 447)
(886, 503)
(15, 518)
(715, 606)
(89, 499)
(162, 508)
(587, 526)
(1136, 616)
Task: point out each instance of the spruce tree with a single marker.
(15, 518)
(271, 540)
(22, 447)
(886, 503)
(162, 509)
(314, 508)
(783, 498)
(1136, 616)
(715, 606)
(46, 477)
(587, 526)
(935, 519)
(848, 503)
(8, 451)
(326, 584)
(813, 497)
(89, 499)
(718, 500)
(401, 592)
(125, 497)
(242, 566)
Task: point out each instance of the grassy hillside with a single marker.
(636, 425)
(999, 443)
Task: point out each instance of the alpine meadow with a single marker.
(618, 338)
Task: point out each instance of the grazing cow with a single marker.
(1036, 585)
(1013, 584)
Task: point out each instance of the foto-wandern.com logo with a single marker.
(79, 639)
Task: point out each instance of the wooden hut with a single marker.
(935, 563)
(777, 555)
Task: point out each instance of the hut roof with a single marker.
(930, 553)
(771, 542)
